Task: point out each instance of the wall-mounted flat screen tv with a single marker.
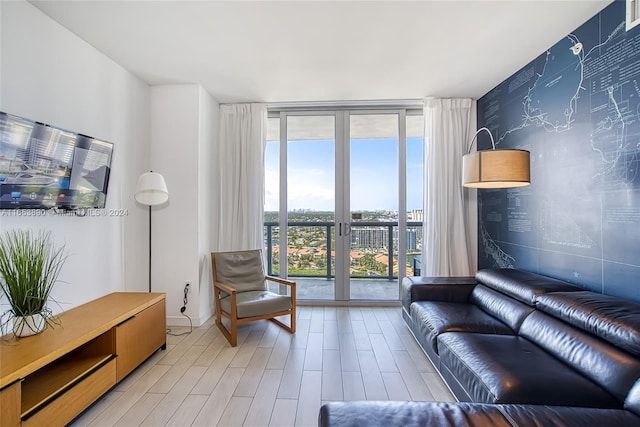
(44, 167)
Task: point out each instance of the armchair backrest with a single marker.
(242, 270)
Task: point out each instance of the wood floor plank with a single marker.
(360, 335)
(217, 402)
(301, 337)
(278, 356)
(412, 378)
(284, 413)
(246, 350)
(309, 400)
(317, 320)
(348, 354)
(313, 357)
(177, 370)
(211, 351)
(330, 313)
(422, 362)
(187, 411)
(344, 320)
(270, 335)
(370, 320)
(372, 379)
(97, 408)
(331, 340)
(174, 398)
(385, 359)
(137, 413)
(265, 398)
(235, 412)
(212, 375)
(253, 373)
(331, 375)
(304, 312)
(390, 335)
(395, 386)
(438, 388)
(352, 386)
(355, 313)
(292, 375)
(117, 409)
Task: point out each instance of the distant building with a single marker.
(416, 215)
(370, 238)
(412, 240)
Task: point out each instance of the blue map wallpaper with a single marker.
(576, 108)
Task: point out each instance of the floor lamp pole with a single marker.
(149, 248)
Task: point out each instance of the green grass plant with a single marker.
(30, 264)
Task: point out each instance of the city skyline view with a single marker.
(373, 174)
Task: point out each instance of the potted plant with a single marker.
(29, 268)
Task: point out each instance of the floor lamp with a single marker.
(151, 191)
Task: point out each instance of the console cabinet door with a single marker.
(138, 337)
(10, 406)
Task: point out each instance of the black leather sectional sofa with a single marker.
(516, 349)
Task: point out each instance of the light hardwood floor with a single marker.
(273, 378)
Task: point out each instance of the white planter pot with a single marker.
(28, 325)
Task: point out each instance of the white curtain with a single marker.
(239, 177)
(448, 131)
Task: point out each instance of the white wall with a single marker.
(183, 124)
(209, 127)
(50, 75)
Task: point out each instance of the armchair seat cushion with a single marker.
(257, 303)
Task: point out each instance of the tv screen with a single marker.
(44, 167)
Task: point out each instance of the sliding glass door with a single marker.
(336, 183)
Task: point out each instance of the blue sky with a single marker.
(374, 174)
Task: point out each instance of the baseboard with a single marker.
(184, 320)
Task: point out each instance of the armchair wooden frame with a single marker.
(232, 333)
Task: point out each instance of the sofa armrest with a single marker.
(446, 289)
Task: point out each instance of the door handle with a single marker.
(347, 228)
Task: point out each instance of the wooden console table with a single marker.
(50, 378)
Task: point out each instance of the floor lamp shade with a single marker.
(151, 189)
(495, 168)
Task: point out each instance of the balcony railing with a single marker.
(373, 249)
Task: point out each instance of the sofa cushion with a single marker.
(632, 402)
(447, 289)
(511, 369)
(614, 319)
(388, 414)
(606, 365)
(564, 416)
(433, 318)
(522, 285)
(501, 306)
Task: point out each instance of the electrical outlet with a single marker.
(185, 300)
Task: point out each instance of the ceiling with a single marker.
(310, 51)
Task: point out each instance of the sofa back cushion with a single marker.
(610, 318)
(633, 399)
(613, 369)
(501, 306)
(522, 285)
